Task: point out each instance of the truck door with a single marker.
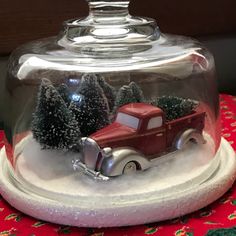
(155, 136)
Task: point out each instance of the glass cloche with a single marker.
(109, 106)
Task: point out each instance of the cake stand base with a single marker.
(147, 208)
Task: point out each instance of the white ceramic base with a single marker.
(98, 210)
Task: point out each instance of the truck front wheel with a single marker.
(130, 168)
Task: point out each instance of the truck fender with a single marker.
(114, 165)
(188, 135)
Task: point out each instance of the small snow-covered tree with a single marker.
(124, 96)
(137, 92)
(63, 90)
(175, 107)
(93, 109)
(108, 90)
(53, 125)
(75, 109)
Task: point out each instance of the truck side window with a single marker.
(155, 122)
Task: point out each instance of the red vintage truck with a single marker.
(139, 134)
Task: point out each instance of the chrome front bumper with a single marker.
(78, 165)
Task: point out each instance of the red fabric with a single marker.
(220, 214)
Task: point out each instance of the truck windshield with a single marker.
(128, 120)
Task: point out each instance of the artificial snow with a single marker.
(50, 173)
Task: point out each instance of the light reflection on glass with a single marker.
(74, 81)
(76, 97)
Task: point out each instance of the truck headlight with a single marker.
(107, 152)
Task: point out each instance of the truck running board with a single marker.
(78, 165)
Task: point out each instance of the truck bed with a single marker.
(174, 128)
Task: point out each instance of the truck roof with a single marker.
(140, 110)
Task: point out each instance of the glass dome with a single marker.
(109, 98)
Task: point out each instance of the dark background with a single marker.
(213, 22)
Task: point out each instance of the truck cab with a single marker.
(137, 125)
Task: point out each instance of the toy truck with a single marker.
(139, 134)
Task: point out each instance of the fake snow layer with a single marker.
(50, 173)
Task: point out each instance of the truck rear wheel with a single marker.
(190, 135)
(130, 167)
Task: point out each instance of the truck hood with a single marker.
(112, 133)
